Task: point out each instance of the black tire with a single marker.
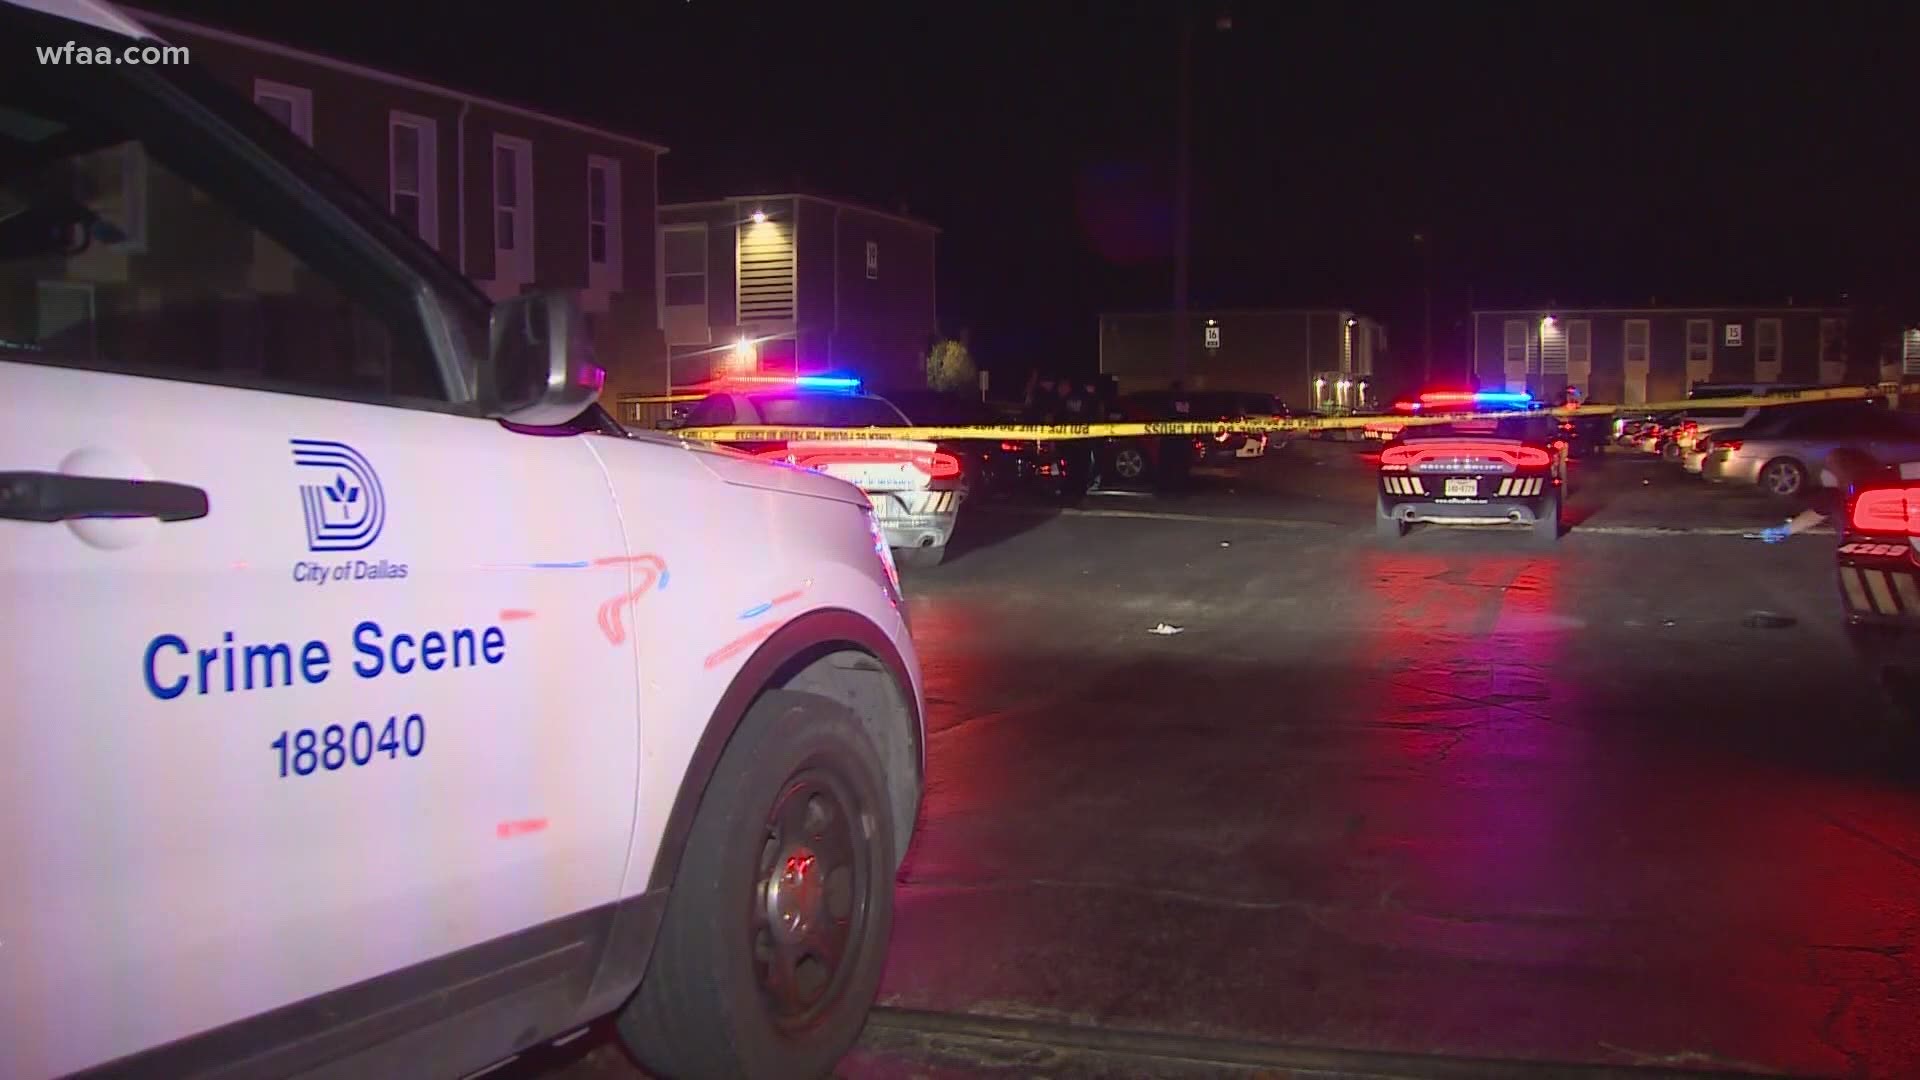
(1385, 525)
(1128, 465)
(1783, 478)
(1546, 527)
(1670, 451)
(800, 768)
(920, 558)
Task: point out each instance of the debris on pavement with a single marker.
(1165, 629)
(1767, 620)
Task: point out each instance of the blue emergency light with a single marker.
(826, 382)
(1503, 397)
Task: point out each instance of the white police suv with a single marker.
(374, 706)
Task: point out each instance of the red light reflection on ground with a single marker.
(1465, 648)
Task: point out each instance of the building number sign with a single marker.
(1213, 337)
(1733, 335)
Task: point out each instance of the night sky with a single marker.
(1579, 153)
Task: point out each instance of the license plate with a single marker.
(1462, 487)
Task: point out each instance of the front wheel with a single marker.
(776, 929)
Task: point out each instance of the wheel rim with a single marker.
(1782, 478)
(1129, 464)
(809, 909)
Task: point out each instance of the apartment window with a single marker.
(873, 260)
(1833, 350)
(412, 174)
(1910, 352)
(1637, 336)
(1766, 350)
(683, 277)
(512, 210)
(1699, 350)
(112, 182)
(1579, 351)
(1516, 346)
(603, 222)
(291, 105)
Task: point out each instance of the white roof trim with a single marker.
(388, 77)
(88, 12)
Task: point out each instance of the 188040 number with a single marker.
(337, 746)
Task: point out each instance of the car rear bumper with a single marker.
(1492, 510)
(912, 519)
(1721, 467)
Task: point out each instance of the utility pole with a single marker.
(1425, 243)
(1182, 190)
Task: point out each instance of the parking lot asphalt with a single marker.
(1396, 808)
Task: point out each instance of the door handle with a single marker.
(44, 496)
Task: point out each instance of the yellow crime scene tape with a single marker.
(1139, 429)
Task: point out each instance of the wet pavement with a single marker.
(1444, 801)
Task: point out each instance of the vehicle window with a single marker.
(1527, 428)
(864, 412)
(1827, 424)
(1715, 414)
(130, 241)
(792, 410)
(714, 411)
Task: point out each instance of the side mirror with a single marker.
(669, 423)
(540, 368)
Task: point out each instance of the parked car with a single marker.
(915, 485)
(1786, 460)
(375, 706)
(1878, 578)
(1166, 458)
(990, 468)
(1651, 435)
(1506, 471)
(1771, 420)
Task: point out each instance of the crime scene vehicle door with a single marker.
(304, 680)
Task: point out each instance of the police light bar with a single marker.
(826, 382)
(1480, 397)
(1503, 397)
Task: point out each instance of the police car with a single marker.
(916, 487)
(1509, 470)
(1878, 577)
(376, 708)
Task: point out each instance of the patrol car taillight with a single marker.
(939, 465)
(1409, 454)
(1885, 510)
